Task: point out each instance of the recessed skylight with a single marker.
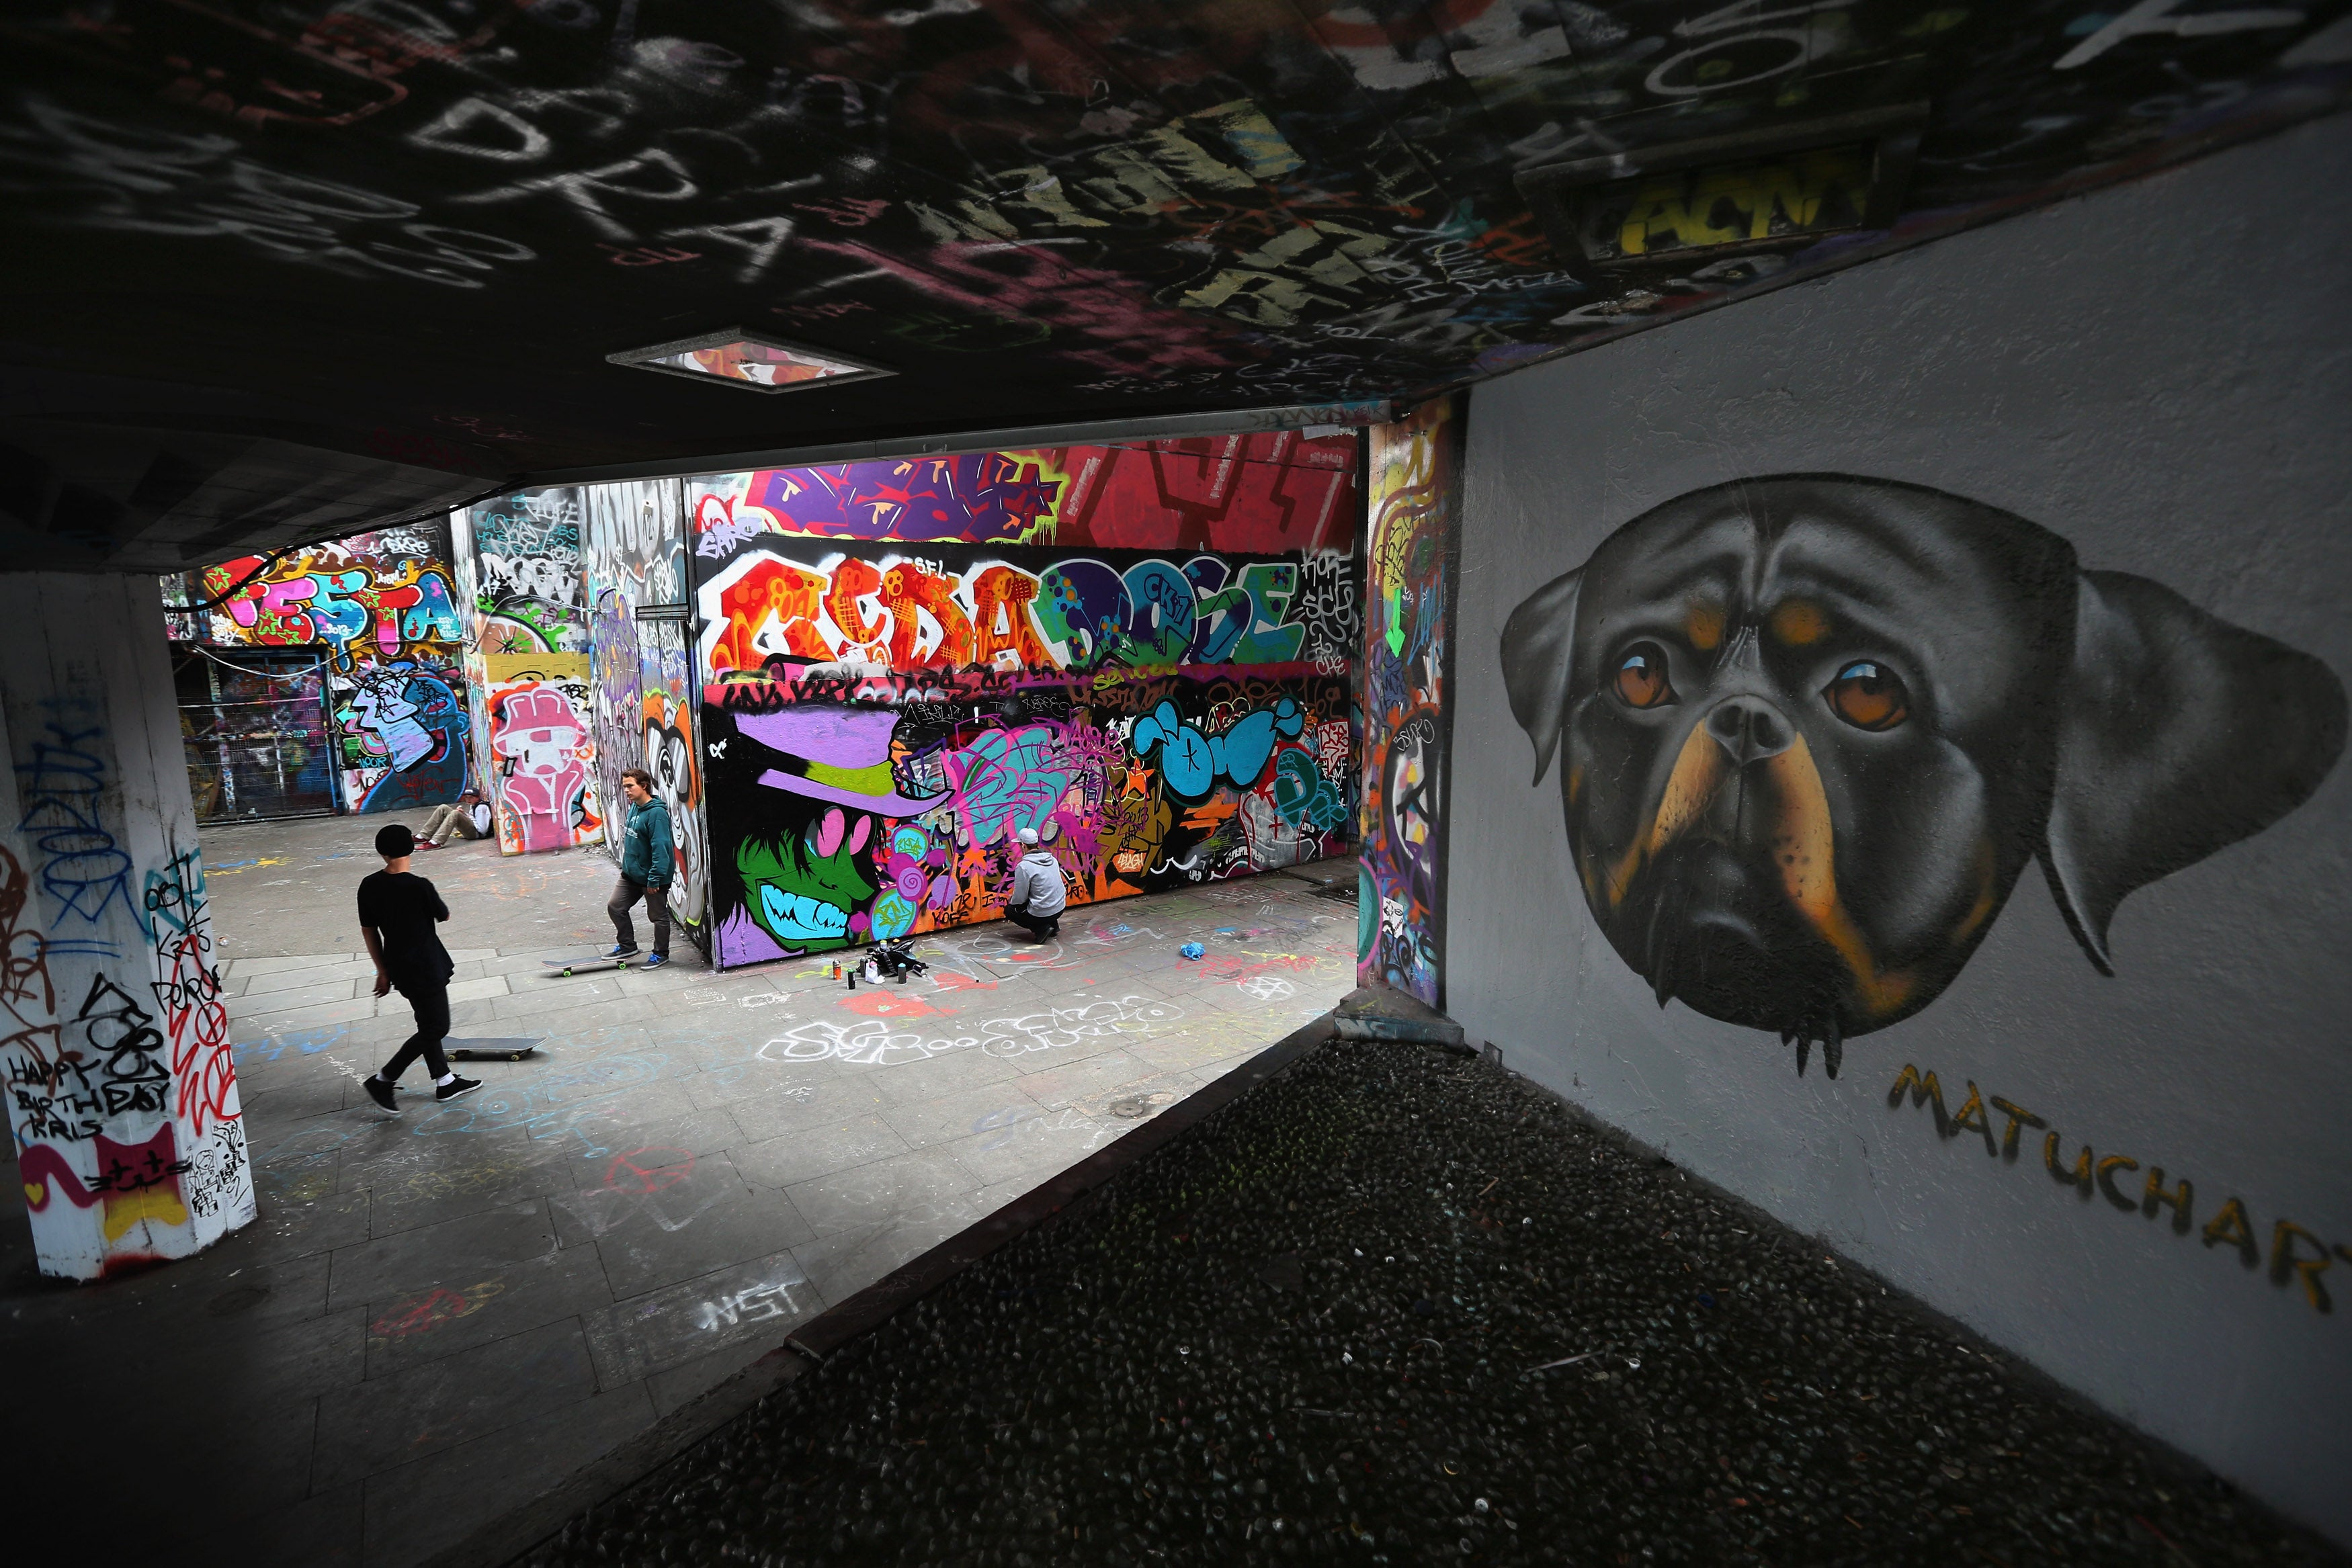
(750, 361)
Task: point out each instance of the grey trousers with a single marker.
(448, 822)
(626, 894)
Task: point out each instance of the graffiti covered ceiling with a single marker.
(278, 267)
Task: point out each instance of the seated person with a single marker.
(469, 818)
(1038, 896)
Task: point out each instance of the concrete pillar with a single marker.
(122, 1092)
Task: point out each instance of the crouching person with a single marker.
(1038, 895)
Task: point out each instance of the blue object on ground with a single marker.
(1192, 949)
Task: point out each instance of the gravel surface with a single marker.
(1317, 1328)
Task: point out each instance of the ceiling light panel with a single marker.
(751, 361)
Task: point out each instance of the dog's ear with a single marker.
(2178, 734)
(1536, 642)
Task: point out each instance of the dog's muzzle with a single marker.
(1749, 730)
(1729, 898)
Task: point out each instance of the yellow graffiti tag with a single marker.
(1811, 193)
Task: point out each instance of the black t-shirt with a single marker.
(402, 909)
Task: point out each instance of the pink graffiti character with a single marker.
(539, 735)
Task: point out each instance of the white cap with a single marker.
(1027, 836)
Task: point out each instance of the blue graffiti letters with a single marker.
(1194, 761)
(81, 866)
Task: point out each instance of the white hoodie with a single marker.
(1037, 883)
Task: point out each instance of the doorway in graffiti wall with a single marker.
(254, 732)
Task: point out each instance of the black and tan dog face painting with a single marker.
(1814, 727)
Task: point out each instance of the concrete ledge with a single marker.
(515, 1532)
(1376, 1012)
(1324, 874)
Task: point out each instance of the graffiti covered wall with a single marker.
(525, 565)
(879, 724)
(1413, 507)
(114, 1043)
(383, 611)
(1267, 493)
(402, 726)
(642, 692)
(1057, 585)
(528, 656)
(1925, 682)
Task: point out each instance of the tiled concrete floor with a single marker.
(439, 1315)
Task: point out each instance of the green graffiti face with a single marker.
(806, 892)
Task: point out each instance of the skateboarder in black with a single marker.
(398, 911)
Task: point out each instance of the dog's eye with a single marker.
(1868, 696)
(1641, 678)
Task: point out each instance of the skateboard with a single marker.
(587, 966)
(490, 1049)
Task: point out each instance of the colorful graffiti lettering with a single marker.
(781, 608)
(381, 609)
(1269, 493)
(1192, 762)
(1015, 776)
(370, 596)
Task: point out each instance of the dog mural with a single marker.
(1814, 727)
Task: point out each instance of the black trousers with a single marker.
(430, 1002)
(627, 892)
(1043, 925)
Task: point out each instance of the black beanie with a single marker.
(395, 841)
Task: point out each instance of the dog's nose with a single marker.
(1750, 728)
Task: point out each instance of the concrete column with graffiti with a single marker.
(467, 578)
(642, 685)
(530, 654)
(121, 1093)
(1412, 521)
